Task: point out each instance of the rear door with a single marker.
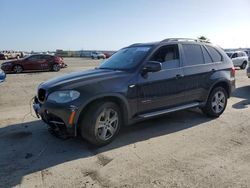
(46, 62)
(198, 66)
(163, 89)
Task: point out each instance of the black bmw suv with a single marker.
(138, 82)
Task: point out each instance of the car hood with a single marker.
(75, 79)
(13, 61)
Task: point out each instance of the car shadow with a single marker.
(242, 93)
(28, 147)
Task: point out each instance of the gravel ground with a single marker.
(182, 149)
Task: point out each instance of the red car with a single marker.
(34, 63)
(108, 55)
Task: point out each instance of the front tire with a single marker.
(101, 124)
(216, 103)
(56, 67)
(17, 69)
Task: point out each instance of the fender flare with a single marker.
(223, 81)
(99, 97)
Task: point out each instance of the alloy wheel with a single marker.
(56, 67)
(107, 124)
(218, 102)
(17, 69)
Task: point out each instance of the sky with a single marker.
(42, 25)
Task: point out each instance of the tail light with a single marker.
(233, 71)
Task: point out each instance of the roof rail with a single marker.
(134, 44)
(183, 39)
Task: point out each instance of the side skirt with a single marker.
(169, 110)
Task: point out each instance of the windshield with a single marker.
(126, 58)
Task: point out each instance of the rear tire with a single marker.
(216, 103)
(17, 69)
(56, 67)
(244, 65)
(101, 123)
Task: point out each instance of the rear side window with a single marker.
(243, 54)
(40, 57)
(206, 55)
(47, 57)
(193, 54)
(216, 56)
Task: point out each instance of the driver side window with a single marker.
(168, 56)
(234, 55)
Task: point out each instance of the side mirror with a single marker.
(152, 66)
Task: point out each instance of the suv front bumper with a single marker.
(60, 119)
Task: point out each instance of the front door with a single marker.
(29, 63)
(36, 62)
(163, 89)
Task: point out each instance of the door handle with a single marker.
(178, 76)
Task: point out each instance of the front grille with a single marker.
(41, 95)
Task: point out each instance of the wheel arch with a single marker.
(116, 98)
(18, 64)
(221, 83)
(245, 61)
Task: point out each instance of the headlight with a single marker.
(63, 96)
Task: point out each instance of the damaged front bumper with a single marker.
(60, 119)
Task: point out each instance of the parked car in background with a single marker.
(2, 56)
(2, 76)
(248, 54)
(11, 55)
(34, 63)
(239, 58)
(138, 82)
(107, 55)
(98, 55)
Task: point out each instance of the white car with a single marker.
(248, 54)
(239, 58)
(98, 55)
